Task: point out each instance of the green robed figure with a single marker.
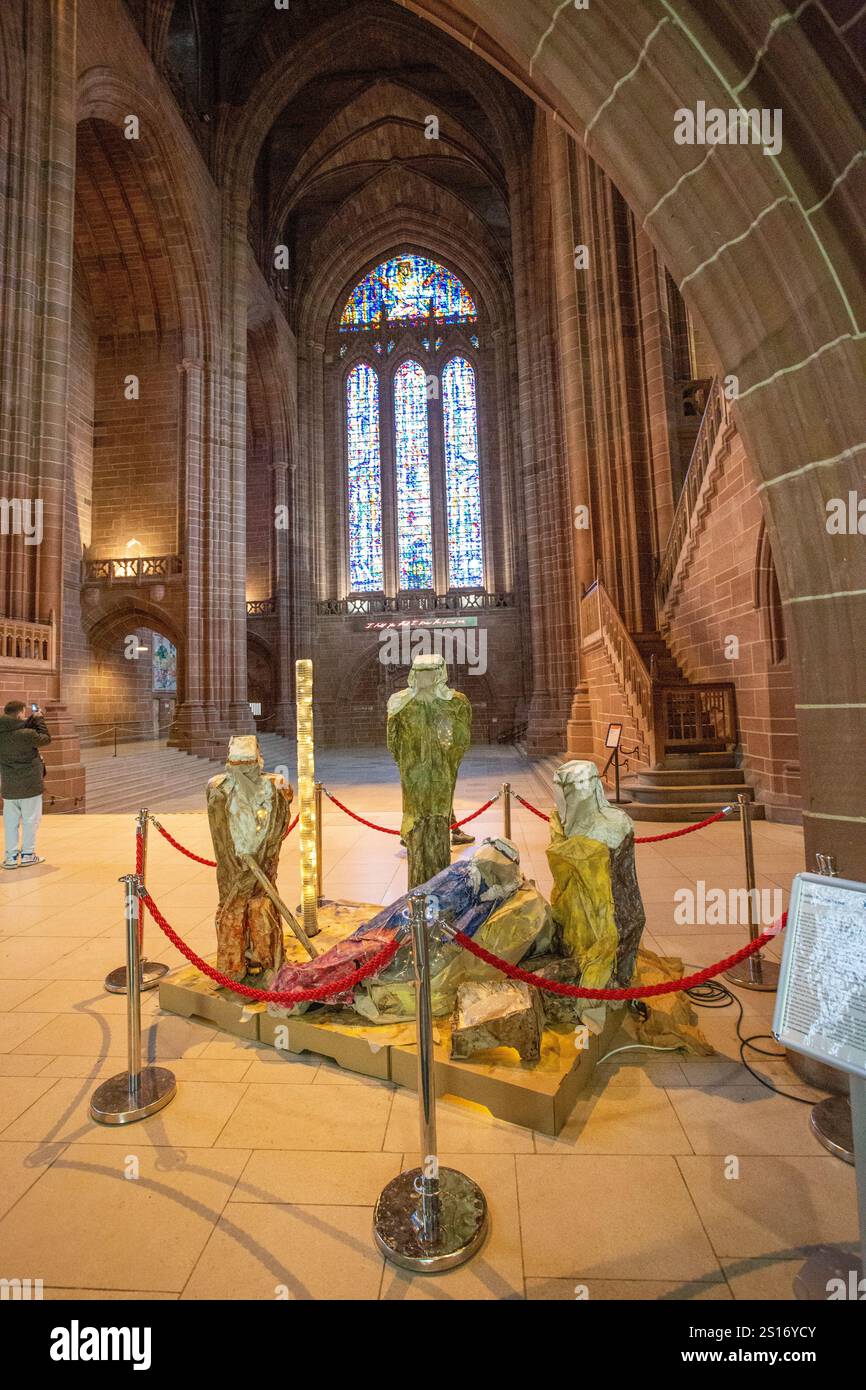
(428, 733)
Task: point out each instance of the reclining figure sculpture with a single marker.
(486, 890)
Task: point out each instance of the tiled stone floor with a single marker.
(262, 1173)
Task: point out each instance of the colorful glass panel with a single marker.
(408, 288)
(164, 664)
(412, 457)
(462, 481)
(365, 479)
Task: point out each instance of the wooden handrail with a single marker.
(716, 417)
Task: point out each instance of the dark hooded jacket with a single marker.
(21, 766)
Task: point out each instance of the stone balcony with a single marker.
(27, 646)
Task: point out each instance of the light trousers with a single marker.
(26, 812)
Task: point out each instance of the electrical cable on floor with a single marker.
(715, 995)
(638, 1047)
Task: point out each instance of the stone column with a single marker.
(194, 717)
(38, 137)
(615, 394)
(574, 412)
(548, 564)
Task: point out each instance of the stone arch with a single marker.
(262, 679)
(119, 689)
(768, 254)
(105, 96)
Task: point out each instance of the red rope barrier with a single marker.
(684, 830)
(386, 829)
(274, 996)
(455, 825)
(209, 863)
(638, 992)
(529, 806)
(139, 869)
(640, 839)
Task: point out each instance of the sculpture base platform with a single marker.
(539, 1095)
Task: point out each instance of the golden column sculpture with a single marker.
(307, 794)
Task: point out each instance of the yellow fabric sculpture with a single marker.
(582, 903)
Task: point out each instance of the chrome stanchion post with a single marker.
(319, 866)
(506, 810)
(429, 1218)
(752, 973)
(139, 1091)
(152, 971)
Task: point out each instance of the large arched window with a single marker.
(413, 467)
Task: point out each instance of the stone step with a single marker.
(674, 762)
(683, 776)
(690, 792)
(683, 811)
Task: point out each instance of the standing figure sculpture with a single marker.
(428, 733)
(248, 812)
(595, 900)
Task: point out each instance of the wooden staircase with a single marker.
(686, 731)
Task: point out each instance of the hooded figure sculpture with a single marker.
(248, 812)
(428, 733)
(596, 901)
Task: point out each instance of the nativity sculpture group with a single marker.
(588, 934)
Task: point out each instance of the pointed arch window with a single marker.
(414, 474)
(365, 479)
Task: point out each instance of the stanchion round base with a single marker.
(462, 1226)
(742, 975)
(831, 1124)
(152, 972)
(112, 1103)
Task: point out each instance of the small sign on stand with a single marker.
(821, 1012)
(612, 740)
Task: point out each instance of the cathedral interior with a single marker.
(347, 330)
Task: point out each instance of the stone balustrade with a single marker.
(27, 646)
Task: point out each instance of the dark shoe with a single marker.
(459, 837)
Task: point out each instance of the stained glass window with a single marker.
(408, 288)
(412, 460)
(462, 483)
(365, 481)
(164, 664)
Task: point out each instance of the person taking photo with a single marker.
(21, 777)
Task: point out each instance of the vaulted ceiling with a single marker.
(371, 91)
